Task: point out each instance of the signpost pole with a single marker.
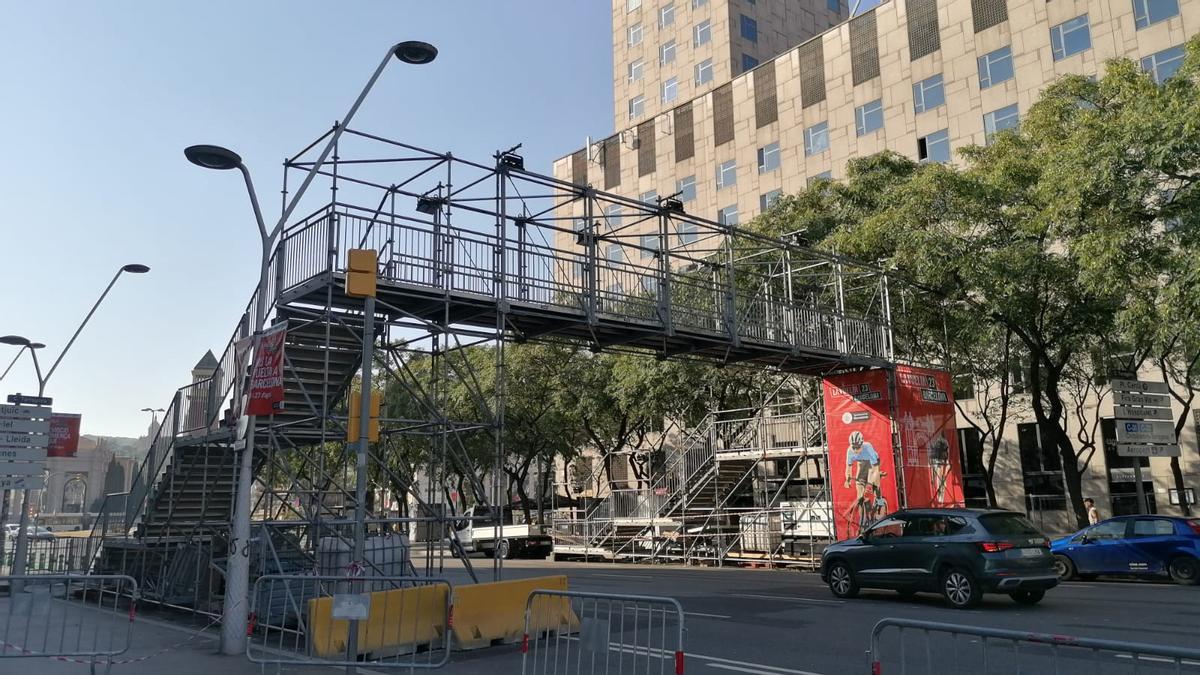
(1141, 489)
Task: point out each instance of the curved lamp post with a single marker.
(23, 343)
(237, 585)
(19, 561)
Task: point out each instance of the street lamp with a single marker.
(18, 567)
(153, 413)
(237, 587)
(24, 344)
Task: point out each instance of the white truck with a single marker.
(479, 534)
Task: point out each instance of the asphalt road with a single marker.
(787, 622)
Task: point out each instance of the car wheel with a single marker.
(1185, 570)
(841, 580)
(1064, 567)
(1027, 597)
(503, 550)
(960, 589)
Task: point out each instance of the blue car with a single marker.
(1152, 546)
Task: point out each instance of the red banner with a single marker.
(928, 438)
(64, 435)
(266, 379)
(861, 465)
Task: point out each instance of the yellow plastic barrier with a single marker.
(495, 612)
(398, 622)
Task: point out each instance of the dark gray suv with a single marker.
(960, 553)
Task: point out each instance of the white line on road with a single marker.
(791, 598)
(624, 576)
(711, 616)
(1159, 659)
(758, 669)
(710, 661)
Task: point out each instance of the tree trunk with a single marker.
(1050, 421)
(1177, 474)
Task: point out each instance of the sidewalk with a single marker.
(159, 648)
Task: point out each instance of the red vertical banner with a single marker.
(266, 375)
(64, 435)
(862, 472)
(928, 438)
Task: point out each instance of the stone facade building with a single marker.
(732, 103)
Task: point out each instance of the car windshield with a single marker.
(1008, 524)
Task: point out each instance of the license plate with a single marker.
(1030, 552)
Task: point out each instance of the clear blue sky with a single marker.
(100, 98)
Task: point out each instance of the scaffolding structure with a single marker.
(483, 255)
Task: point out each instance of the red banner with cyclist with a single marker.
(928, 438)
(861, 464)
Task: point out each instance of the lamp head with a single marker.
(212, 157)
(36, 345)
(16, 340)
(415, 52)
(135, 269)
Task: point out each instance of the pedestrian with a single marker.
(1093, 513)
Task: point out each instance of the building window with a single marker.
(816, 139)
(650, 197)
(699, 3)
(666, 16)
(649, 244)
(635, 34)
(928, 94)
(748, 63)
(579, 225)
(635, 70)
(768, 158)
(614, 253)
(726, 174)
(999, 120)
(637, 105)
(995, 67)
(816, 178)
(1146, 12)
(964, 387)
(935, 147)
(728, 215)
(612, 216)
(1070, 37)
(970, 444)
(702, 33)
(834, 5)
(689, 233)
(666, 53)
(686, 187)
(704, 71)
(74, 494)
(633, 4)
(1041, 467)
(1163, 65)
(868, 118)
(670, 90)
(766, 201)
(749, 29)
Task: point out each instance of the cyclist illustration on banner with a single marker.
(862, 461)
(862, 468)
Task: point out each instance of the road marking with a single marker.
(1159, 659)
(711, 616)
(791, 598)
(624, 576)
(756, 671)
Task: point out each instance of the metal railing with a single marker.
(703, 299)
(49, 556)
(85, 618)
(573, 633)
(373, 622)
(936, 647)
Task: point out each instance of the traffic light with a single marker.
(352, 425)
(361, 273)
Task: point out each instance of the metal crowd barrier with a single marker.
(81, 618)
(574, 633)
(945, 648)
(369, 621)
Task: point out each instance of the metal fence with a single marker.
(915, 647)
(574, 633)
(57, 555)
(81, 618)
(375, 621)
